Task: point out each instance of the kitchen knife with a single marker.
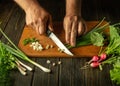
(58, 42)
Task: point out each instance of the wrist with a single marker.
(73, 13)
(33, 5)
(73, 7)
(27, 4)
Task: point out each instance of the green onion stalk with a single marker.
(17, 52)
(86, 39)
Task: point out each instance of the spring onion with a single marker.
(18, 53)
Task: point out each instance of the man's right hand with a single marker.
(36, 16)
(38, 19)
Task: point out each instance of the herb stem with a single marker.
(9, 39)
(17, 52)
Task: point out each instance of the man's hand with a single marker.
(36, 16)
(38, 19)
(74, 26)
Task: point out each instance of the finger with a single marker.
(74, 33)
(82, 29)
(37, 29)
(50, 24)
(85, 27)
(31, 25)
(67, 27)
(36, 26)
(42, 27)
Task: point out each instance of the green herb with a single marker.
(97, 39)
(115, 72)
(29, 40)
(87, 37)
(90, 37)
(9, 60)
(7, 63)
(114, 44)
(113, 50)
(109, 55)
(18, 53)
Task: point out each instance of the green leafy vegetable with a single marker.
(29, 40)
(90, 37)
(87, 37)
(113, 51)
(110, 54)
(7, 63)
(115, 72)
(114, 44)
(9, 59)
(97, 39)
(18, 53)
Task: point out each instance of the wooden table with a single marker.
(69, 72)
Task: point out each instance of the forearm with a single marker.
(73, 7)
(27, 4)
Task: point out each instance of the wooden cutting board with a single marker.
(84, 51)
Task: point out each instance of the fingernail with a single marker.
(73, 44)
(40, 32)
(67, 42)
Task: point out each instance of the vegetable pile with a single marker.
(10, 57)
(110, 54)
(29, 40)
(94, 37)
(35, 44)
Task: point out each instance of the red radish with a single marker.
(94, 64)
(103, 56)
(94, 58)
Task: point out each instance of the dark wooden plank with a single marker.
(66, 72)
(95, 77)
(5, 13)
(15, 25)
(71, 74)
(13, 29)
(46, 79)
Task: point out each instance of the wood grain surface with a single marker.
(69, 72)
(84, 51)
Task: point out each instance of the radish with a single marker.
(103, 56)
(94, 64)
(94, 59)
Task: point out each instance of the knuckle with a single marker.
(74, 31)
(75, 18)
(69, 18)
(41, 19)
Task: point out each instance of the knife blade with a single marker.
(58, 42)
